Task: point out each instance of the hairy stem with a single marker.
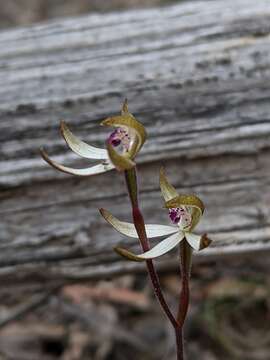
(131, 181)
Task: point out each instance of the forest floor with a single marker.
(119, 319)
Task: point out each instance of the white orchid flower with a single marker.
(185, 212)
(123, 144)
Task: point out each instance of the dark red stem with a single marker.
(179, 343)
(185, 264)
(131, 181)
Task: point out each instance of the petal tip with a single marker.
(106, 122)
(168, 191)
(205, 242)
(161, 175)
(46, 158)
(103, 213)
(127, 254)
(63, 126)
(44, 154)
(162, 171)
(125, 107)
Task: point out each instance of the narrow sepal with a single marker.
(167, 190)
(160, 249)
(93, 170)
(80, 147)
(125, 107)
(128, 229)
(127, 254)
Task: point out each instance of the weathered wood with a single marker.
(196, 74)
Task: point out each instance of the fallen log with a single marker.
(196, 75)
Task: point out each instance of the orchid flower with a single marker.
(123, 144)
(185, 212)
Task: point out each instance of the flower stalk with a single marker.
(185, 266)
(131, 182)
(185, 262)
(179, 342)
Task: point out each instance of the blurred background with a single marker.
(24, 12)
(56, 308)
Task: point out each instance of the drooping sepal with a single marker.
(160, 249)
(93, 170)
(127, 254)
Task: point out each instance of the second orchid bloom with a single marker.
(185, 212)
(123, 144)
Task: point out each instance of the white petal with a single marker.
(128, 229)
(194, 240)
(163, 247)
(80, 147)
(153, 231)
(93, 170)
(158, 250)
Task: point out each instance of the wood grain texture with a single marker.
(196, 74)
